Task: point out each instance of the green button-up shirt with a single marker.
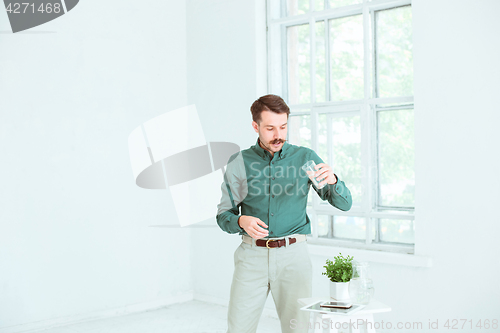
(273, 189)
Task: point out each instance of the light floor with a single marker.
(187, 317)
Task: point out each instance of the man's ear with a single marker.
(255, 126)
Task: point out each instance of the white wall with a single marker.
(74, 234)
(226, 74)
(456, 52)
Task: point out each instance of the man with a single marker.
(266, 181)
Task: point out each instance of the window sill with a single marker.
(382, 257)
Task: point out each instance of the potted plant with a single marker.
(339, 273)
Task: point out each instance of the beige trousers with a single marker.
(285, 271)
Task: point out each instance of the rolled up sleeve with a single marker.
(233, 192)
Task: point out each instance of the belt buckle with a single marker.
(267, 243)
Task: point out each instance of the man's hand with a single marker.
(325, 174)
(251, 226)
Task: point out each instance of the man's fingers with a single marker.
(261, 223)
(322, 174)
(318, 166)
(257, 234)
(256, 231)
(260, 230)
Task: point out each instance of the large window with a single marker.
(345, 69)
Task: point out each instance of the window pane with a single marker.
(299, 130)
(299, 79)
(374, 229)
(299, 133)
(323, 138)
(346, 58)
(400, 231)
(297, 7)
(346, 149)
(320, 62)
(323, 225)
(396, 158)
(341, 3)
(394, 52)
(319, 5)
(349, 227)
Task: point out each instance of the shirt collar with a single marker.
(263, 153)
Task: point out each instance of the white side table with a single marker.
(335, 323)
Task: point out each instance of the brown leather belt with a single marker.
(274, 242)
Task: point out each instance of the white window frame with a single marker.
(366, 108)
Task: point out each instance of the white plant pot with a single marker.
(339, 291)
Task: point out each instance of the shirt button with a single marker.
(272, 214)
(271, 232)
(273, 195)
(273, 162)
(273, 178)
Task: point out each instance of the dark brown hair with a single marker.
(272, 103)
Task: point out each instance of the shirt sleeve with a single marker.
(338, 195)
(234, 190)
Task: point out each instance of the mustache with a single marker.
(277, 141)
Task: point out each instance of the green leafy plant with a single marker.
(340, 270)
